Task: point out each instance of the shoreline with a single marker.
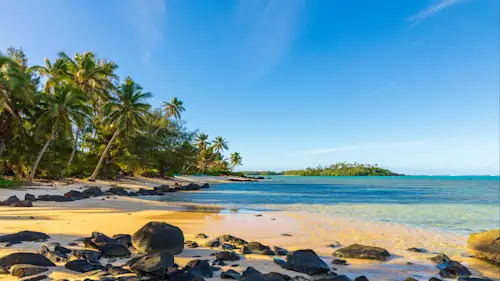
(68, 221)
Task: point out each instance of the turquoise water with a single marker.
(456, 204)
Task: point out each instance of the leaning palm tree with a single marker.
(236, 160)
(57, 113)
(219, 145)
(173, 108)
(125, 112)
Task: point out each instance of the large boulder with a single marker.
(24, 236)
(75, 195)
(11, 199)
(158, 236)
(29, 197)
(453, 269)
(357, 251)
(304, 261)
(485, 246)
(258, 248)
(156, 264)
(189, 187)
(107, 246)
(227, 256)
(23, 270)
(199, 268)
(125, 239)
(24, 258)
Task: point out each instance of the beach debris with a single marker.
(304, 261)
(485, 245)
(81, 266)
(156, 264)
(339, 261)
(361, 278)
(453, 269)
(201, 236)
(416, 250)
(158, 236)
(214, 243)
(24, 236)
(245, 250)
(24, 258)
(230, 274)
(29, 197)
(280, 251)
(191, 244)
(226, 238)
(227, 256)
(357, 251)
(23, 270)
(125, 239)
(440, 258)
(258, 248)
(199, 268)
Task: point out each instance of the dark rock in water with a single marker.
(199, 268)
(191, 244)
(91, 257)
(304, 261)
(185, 277)
(361, 278)
(280, 251)
(125, 239)
(92, 191)
(11, 199)
(29, 197)
(23, 270)
(155, 264)
(143, 191)
(440, 258)
(485, 246)
(219, 262)
(24, 258)
(416, 250)
(21, 204)
(23, 236)
(114, 250)
(75, 195)
(339, 261)
(258, 248)
(286, 234)
(357, 251)
(435, 279)
(410, 279)
(35, 278)
(205, 185)
(245, 250)
(201, 236)
(227, 246)
(189, 187)
(116, 270)
(158, 236)
(227, 256)
(214, 243)
(119, 191)
(453, 269)
(230, 274)
(232, 240)
(81, 266)
(53, 256)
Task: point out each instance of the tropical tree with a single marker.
(57, 113)
(219, 145)
(55, 73)
(202, 141)
(236, 160)
(125, 112)
(173, 108)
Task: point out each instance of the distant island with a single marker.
(337, 169)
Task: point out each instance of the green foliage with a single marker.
(262, 173)
(84, 123)
(343, 169)
(5, 183)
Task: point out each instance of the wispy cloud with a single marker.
(430, 11)
(271, 27)
(148, 20)
(376, 146)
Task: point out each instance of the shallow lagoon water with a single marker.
(461, 205)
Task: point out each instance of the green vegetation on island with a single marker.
(343, 169)
(74, 117)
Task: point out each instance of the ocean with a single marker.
(457, 204)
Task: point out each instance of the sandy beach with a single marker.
(66, 222)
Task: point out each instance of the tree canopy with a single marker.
(343, 169)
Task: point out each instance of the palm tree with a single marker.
(58, 111)
(201, 141)
(124, 112)
(236, 160)
(55, 73)
(173, 108)
(219, 145)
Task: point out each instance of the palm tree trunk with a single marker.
(7, 107)
(96, 171)
(2, 146)
(45, 146)
(75, 143)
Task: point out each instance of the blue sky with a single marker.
(410, 85)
